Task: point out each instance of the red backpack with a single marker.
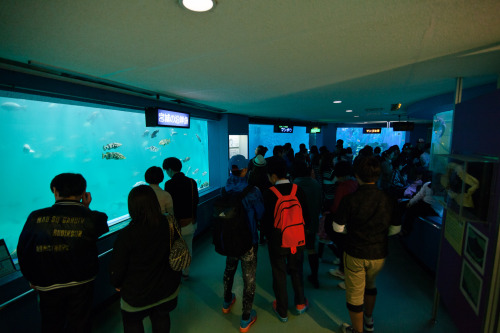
(288, 218)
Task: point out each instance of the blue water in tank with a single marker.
(42, 139)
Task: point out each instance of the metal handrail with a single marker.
(15, 299)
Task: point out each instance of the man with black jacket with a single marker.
(57, 254)
(282, 260)
(368, 217)
(184, 192)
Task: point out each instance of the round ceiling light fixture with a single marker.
(198, 5)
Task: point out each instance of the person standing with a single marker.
(312, 189)
(254, 207)
(57, 254)
(185, 196)
(283, 261)
(139, 267)
(367, 216)
(154, 176)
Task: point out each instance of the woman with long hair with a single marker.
(140, 268)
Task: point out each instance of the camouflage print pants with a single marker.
(248, 269)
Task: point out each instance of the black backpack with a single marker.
(231, 234)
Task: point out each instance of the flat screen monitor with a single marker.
(166, 118)
(283, 129)
(402, 126)
(372, 130)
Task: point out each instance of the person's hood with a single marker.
(236, 184)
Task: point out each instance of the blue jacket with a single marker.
(253, 202)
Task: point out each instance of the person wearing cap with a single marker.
(254, 206)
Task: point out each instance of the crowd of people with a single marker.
(349, 204)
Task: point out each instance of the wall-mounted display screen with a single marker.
(283, 129)
(372, 130)
(167, 118)
(112, 149)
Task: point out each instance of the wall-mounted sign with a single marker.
(403, 126)
(313, 130)
(372, 130)
(283, 129)
(166, 118)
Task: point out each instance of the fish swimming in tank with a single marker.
(11, 106)
(154, 134)
(145, 134)
(204, 173)
(198, 137)
(154, 149)
(164, 142)
(112, 145)
(113, 156)
(186, 159)
(27, 149)
(195, 171)
(173, 132)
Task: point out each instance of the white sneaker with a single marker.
(368, 323)
(341, 285)
(337, 273)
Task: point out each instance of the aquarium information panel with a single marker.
(161, 117)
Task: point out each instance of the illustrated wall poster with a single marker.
(471, 286)
(454, 231)
(476, 245)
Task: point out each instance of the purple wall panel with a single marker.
(475, 132)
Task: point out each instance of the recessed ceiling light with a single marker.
(337, 102)
(198, 5)
(348, 110)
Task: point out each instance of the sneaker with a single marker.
(301, 308)
(245, 324)
(282, 319)
(368, 323)
(346, 328)
(341, 285)
(314, 282)
(337, 273)
(226, 306)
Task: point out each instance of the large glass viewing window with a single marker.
(112, 149)
(264, 135)
(353, 137)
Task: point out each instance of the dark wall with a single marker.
(474, 132)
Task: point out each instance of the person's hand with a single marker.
(86, 199)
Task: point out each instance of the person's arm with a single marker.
(196, 199)
(395, 218)
(339, 219)
(118, 265)
(301, 196)
(169, 205)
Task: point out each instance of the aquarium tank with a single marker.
(264, 135)
(112, 149)
(353, 137)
